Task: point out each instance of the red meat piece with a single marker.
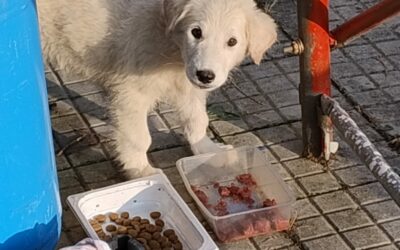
(262, 225)
(221, 208)
(246, 179)
(224, 191)
(245, 192)
(216, 185)
(234, 189)
(269, 203)
(281, 224)
(201, 195)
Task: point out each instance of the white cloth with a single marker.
(88, 244)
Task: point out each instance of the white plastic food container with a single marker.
(206, 173)
(140, 197)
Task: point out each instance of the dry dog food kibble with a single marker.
(149, 233)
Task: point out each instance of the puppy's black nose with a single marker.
(205, 76)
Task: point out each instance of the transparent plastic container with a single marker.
(208, 172)
(139, 198)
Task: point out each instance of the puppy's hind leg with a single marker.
(132, 134)
(193, 115)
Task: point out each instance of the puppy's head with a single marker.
(216, 35)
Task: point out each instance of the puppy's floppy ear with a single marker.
(261, 34)
(173, 11)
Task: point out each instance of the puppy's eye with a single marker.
(196, 32)
(232, 42)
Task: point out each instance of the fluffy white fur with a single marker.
(144, 51)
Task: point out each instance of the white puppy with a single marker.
(145, 51)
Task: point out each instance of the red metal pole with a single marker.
(315, 80)
(365, 21)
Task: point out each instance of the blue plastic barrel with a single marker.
(30, 209)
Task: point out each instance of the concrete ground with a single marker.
(342, 206)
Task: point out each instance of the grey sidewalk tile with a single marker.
(384, 211)
(56, 93)
(387, 247)
(216, 97)
(181, 189)
(268, 154)
(61, 108)
(173, 175)
(285, 98)
(370, 98)
(67, 123)
(77, 140)
(371, 133)
(68, 219)
(64, 241)
(76, 234)
(165, 140)
(101, 184)
(265, 69)
(274, 241)
(263, 119)
(69, 191)
(249, 105)
(345, 70)
(67, 179)
(364, 51)
(288, 150)
(62, 163)
(333, 242)
(393, 229)
(387, 79)
(350, 219)
(274, 84)
(97, 172)
(98, 117)
(242, 245)
(375, 65)
(389, 47)
(355, 176)
(320, 183)
(289, 64)
(223, 128)
(366, 237)
(305, 209)
(303, 167)
(167, 158)
(282, 171)
(344, 157)
(91, 102)
(222, 111)
(394, 92)
(87, 156)
(291, 113)
(297, 191)
(105, 132)
(334, 201)
(246, 139)
(196, 212)
(357, 84)
(247, 88)
(369, 193)
(313, 228)
(83, 89)
(276, 134)
(156, 124)
(385, 150)
(383, 112)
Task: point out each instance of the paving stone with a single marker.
(102, 184)
(276, 134)
(384, 211)
(344, 157)
(76, 234)
(165, 140)
(156, 123)
(335, 201)
(393, 229)
(181, 189)
(97, 117)
(55, 93)
(249, 105)
(370, 98)
(366, 237)
(64, 193)
(167, 158)
(364, 51)
(268, 154)
(387, 79)
(242, 245)
(349, 219)
(173, 175)
(297, 191)
(83, 89)
(67, 179)
(386, 151)
(371, 133)
(389, 47)
(97, 172)
(292, 113)
(265, 69)
(345, 70)
(61, 108)
(369, 193)
(333, 242)
(320, 183)
(68, 219)
(223, 128)
(196, 212)
(62, 163)
(285, 98)
(87, 156)
(303, 167)
(274, 83)
(91, 102)
(313, 228)
(263, 119)
(74, 141)
(375, 65)
(288, 150)
(216, 96)
(394, 92)
(105, 133)
(355, 176)
(383, 113)
(248, 88)
(67, 123)
(289, 64)
(246, 139)
(387, 247)
(222, 111)
(305, 209)
(274, 241)
(282, 171)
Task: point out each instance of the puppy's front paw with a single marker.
(205, 145)
(134, 173)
